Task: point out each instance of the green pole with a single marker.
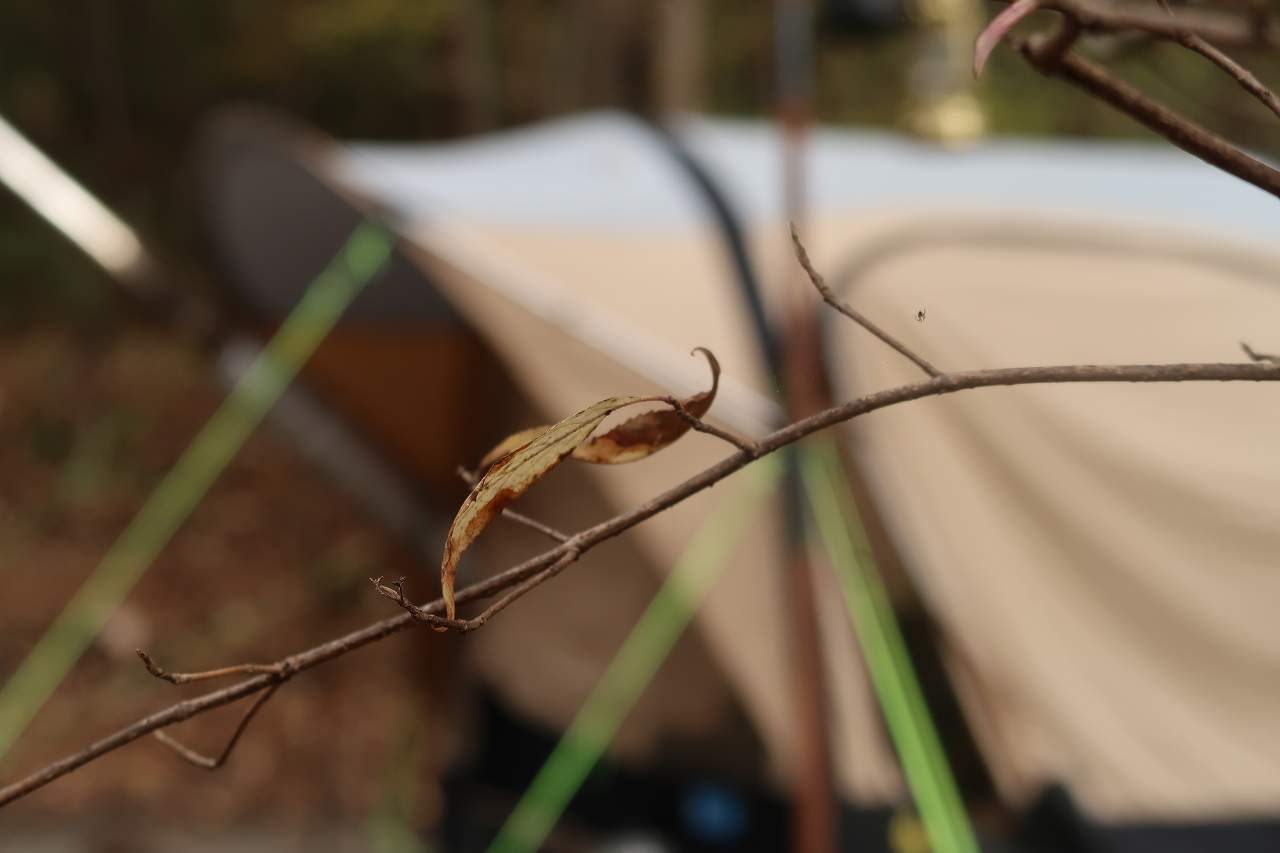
(633, 667)
(924, 763)
(184, 486)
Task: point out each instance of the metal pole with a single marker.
(813, 818)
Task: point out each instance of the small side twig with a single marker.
(829, 297)
(1262, 357)
(188, 677)
(1223, 28)
(1182, 132)
(199, 760)
(470, 478)
(395, 592)
(280, 672)
(697, 424)
(1243, 76)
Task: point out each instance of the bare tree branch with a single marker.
(205, 761)
(697, 424)
(1259, 356)
(1233, 69)
(1197, 30)
(425, 614)
(521, 578)
(830, 298)
(188, 677)
(1182, 132)
(280, 672)
(1222, 28)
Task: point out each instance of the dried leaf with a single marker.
(998, 29)
(630, 440)
(646, 434)
(510, 444)
(511, 476)
(522, 459)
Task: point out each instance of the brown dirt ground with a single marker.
(274, 559)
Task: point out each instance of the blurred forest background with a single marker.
(115, 89)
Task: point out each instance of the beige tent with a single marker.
(1104, 561)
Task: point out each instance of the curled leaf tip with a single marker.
(714, 364)
(999, 27)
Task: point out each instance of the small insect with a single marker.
(920, 315)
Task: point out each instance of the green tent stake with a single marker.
(362, 257)
(635, 664)
(914, 737)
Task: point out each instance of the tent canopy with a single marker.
(1102, 559)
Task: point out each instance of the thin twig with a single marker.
(470, 478)
(830, 298)
(463, 626)
(1246, 78)
(697, 424)
(188, 677)
(1243, 76)
(587, 539)
(1222, 28)
(1259, 356)
(1182, 132)
(280, 672)
(205, 761)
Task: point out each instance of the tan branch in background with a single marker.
(1128, 99)
(1259, 356)
(1200, 31)
(1221, 28)
(222, 672)
(1243, 76)
(192, 757)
